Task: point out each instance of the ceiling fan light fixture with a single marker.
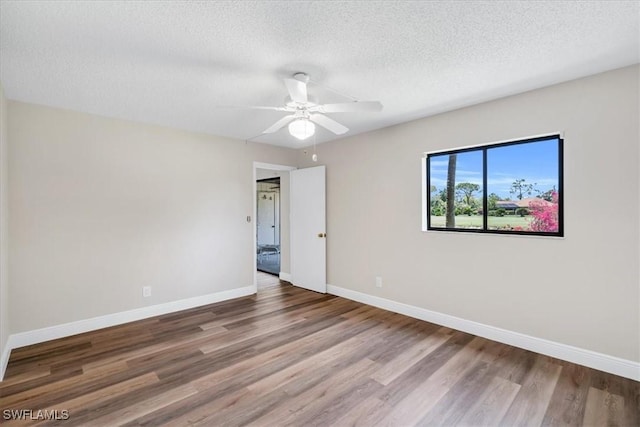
(302, 129)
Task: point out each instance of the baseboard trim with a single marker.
(4, 359)
(285, 276)
(73, 328)
(614, 365)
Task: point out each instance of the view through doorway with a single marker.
(268, 225)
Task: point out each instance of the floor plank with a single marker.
(288, 356)
(603, 408)
(532, 401)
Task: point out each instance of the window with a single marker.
(507, 188)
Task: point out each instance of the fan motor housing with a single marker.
(312, 101)
(301, 77)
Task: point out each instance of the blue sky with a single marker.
(536, 162)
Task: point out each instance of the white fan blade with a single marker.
(297, 90)
(328, 123)
(253, 107)
(280, 124)
(350, 107)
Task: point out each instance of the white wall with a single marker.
(4, 232)
(101, 207)
(582, 290)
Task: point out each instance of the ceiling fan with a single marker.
(305, 110)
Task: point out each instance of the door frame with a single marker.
(256, 166)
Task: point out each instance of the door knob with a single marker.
(322, 234)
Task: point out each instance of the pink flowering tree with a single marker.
(544, 214)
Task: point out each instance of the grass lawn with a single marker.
(475, 221)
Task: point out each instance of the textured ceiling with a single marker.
(172, 63)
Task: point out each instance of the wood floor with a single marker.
(287, 356)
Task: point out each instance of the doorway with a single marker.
(265, 171)
(268, 253)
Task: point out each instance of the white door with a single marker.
(266, 220)
(308, 233)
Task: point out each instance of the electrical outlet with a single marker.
(378, 282)
(146, 291)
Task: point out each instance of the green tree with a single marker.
(466, 190)
(491, 201)
(464, 209)
(451, 191)
(438, 207)
(520, 188)
(548, 195)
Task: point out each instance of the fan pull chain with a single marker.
(314, 157)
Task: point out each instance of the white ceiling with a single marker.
(172, 63)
